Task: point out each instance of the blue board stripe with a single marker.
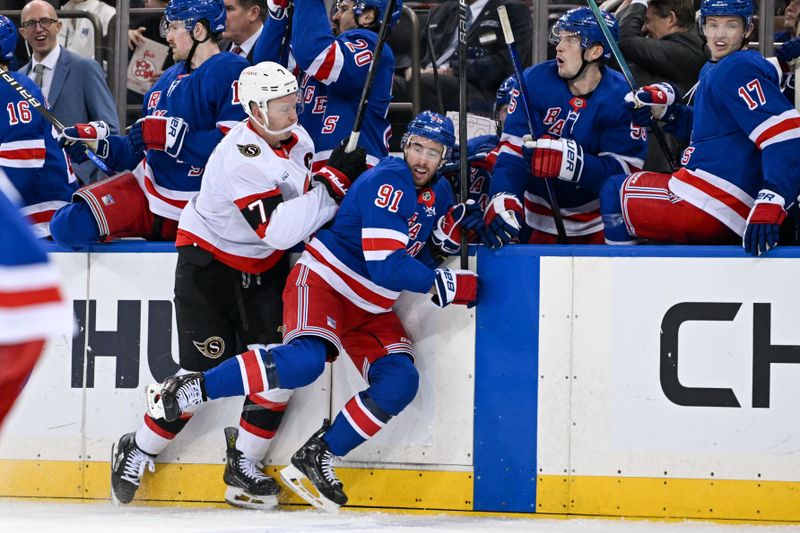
(506, 384)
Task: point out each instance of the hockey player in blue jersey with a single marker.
(739, 172)
(332, 65)
(32, 305)
(185, 115)
(339, 297)
(481, 152)
(581, 137)
(29, 153)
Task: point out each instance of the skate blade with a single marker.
(241, 498)
(302, 486)
(153, 398)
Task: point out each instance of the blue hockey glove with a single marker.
(764, 223)
(455, 286)
(650, 101)
(788, 51)
(503, 219)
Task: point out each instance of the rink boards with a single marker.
(651, 381)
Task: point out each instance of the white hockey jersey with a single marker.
(254, 201)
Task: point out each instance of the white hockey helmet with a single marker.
(263, 82)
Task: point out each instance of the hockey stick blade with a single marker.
(302, 486)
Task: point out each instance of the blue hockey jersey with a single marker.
(481, 157)
(32, 305)
(597, 122)
(207, 100)
(30, 156)
(332, 75)
(370, 253)
(745, 136)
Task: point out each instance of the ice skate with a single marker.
(248, 486)
(128, 463)
(172, 398)
(314, 463)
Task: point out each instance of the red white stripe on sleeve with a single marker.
(380, 243)
(327, 66)
(777, 129)
(23, 154)
(510, 144)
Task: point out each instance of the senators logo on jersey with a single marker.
(249, 150)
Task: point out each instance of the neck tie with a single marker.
(38, 73)
(237, 50)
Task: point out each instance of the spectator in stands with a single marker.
(243, 24)
(488, 62)
(75, 86)
(789, 22)
(145, 26)
(671, 51)
(77, 34)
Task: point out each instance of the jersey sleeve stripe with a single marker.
(385, 234)
(327, 66)
(777, 129)
(242, 203)
(629, 164)
(23, 154)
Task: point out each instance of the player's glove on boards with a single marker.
(764, 223)
(454, 286)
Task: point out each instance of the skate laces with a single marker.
(326, 462)
(135, 464)
(189, 394)
(251, 469)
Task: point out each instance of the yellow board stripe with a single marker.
(365, 487)
(669, 497)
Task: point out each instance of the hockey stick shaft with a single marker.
(48, 116)
(508, 34)
(626, 72)
(462, 117)
(371, 73)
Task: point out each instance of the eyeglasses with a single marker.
(44, 23)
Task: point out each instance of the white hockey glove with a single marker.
(455, 286)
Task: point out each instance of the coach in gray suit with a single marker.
(75, 86)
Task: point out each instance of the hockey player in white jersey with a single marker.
(257, 200)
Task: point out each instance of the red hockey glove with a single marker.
(555, 158)
(447, 233)
(75, 139)
(455, 286)
(764, 223)
(503, 219)
(159, 133)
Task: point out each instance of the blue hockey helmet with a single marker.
(190, 12)
(435, 127)
(8, 39)
(503, 96)
(581, 21)
(727, 8)
(380, 5)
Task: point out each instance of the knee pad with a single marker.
(74, 225)
(300, 362)
(393, 383)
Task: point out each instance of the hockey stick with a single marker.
(373, 70)
(462, 118)
(435, 67)
(508, 34)
(626, 72)
(48, 116)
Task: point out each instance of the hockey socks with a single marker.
(359, 420)
(287, 366)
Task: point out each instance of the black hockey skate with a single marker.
(173, 397)
(314, 462)
(128, 463)
(248, 486)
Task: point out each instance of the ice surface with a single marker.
(23, 516)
